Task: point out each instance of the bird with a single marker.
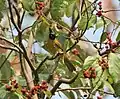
(53, 46)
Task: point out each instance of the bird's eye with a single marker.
(52, 36)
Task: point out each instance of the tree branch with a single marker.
(12, 17)
(9, 42)
(108, 50)
(18, 16)
(10, 48)
(63, 80)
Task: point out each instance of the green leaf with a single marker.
(69, 64)
(114, 66)
(99, 23)
(69, 94)
(82, 23)
(118, 37)
(48, 93)
(76, 62)
(12, 95)
(116, 87)
(2, 8)
(29, 5)
(3, 92)
(86, 22)
(43, 76)
(72, 96)
(107, 84)
(80, 81)
(42, 32)
(92, 21)
(6, 71)
(58, 8)
(69, 10)
(103, 37)
(21, 80)
(89, 61)
(64, 24)
(1, 16)
(98, 82)
(2, 5)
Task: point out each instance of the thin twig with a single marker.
(6, 59)
(10, 48)
(78, 88)
(53, 70)
(110, 10)
(22, 17)
(41, 63)
(72, 46)
(109, 93)
(27, 28)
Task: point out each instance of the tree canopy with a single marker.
(67, 61)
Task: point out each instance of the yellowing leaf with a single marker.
(114, 66)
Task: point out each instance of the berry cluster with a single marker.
(75, 51)
(39, 7)
(90, 73)
(36, 89)
(103, 63)
(28, 93)
(100, 5)
(99, 12)
(99, 97)
(110, 44)
(12, 86)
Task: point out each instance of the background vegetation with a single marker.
(72, 64)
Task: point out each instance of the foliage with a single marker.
(65, 59)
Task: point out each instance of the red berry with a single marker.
(75, 51)
(29, 96)
(43, 82)
(99, 13)
(100, 3)
(108, 33)
(114, 44)
(113, 50)
(40, 3)
(8, 88)
(24, 90)
(93, 75)
(99, 97)
(109, 41)
(38, 87)
(16, 85)
(33, 91)
(86, 74)
(44, 87)
(13, 82)
(92, 69)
